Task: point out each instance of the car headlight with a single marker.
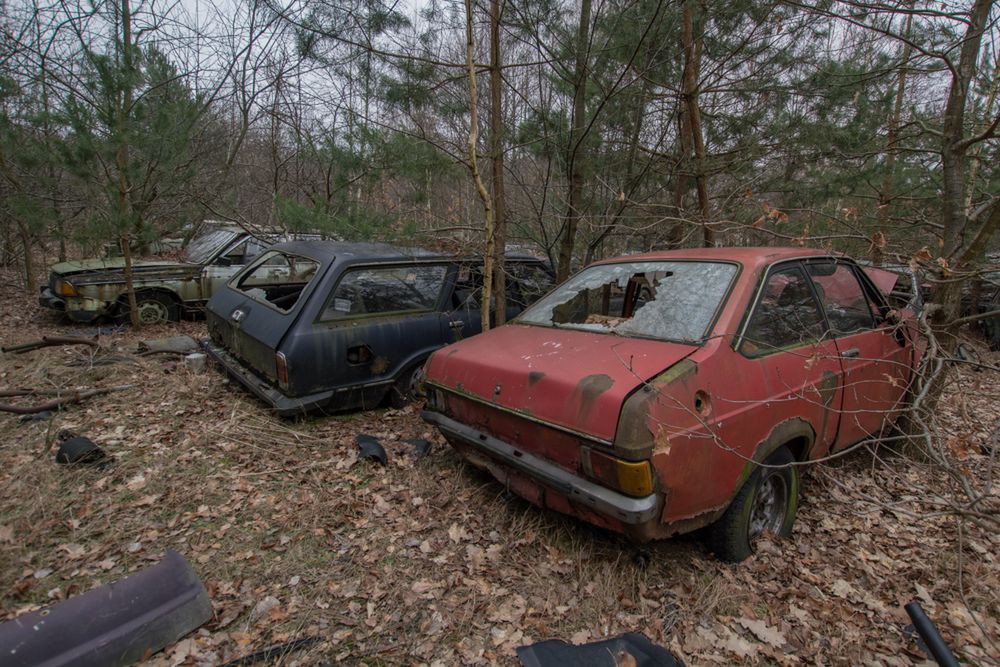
(65, 288)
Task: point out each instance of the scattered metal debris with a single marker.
(418, 447)
(50, 341)
(78, 449)
(630, 648)
(117, 624)
(369, 448)
(36, 417)
(932, 642)
(196, 361)
(272, 652)
(181, 345)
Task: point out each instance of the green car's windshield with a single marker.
(201, 248)
(669, 300)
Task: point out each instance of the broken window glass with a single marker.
(203, 247)
(786, 315)
(669, 300)
(278, 278)
(846, 305)
(371, 291)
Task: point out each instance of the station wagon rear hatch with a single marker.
(251, 315)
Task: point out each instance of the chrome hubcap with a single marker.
(769, 506)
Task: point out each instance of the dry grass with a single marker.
(430, 561)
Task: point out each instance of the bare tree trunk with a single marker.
(974, 153)
(574, 158)
(484, 306)
(886, 193)
(121, 160)
(29, 260)
(496, 153)
(692, 67)
(961, 241)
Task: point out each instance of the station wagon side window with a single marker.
(531, 281)
(383, 290)
(278, 279)
(785, 317)
(847, 307)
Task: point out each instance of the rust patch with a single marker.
(534, 377)
(380, 365)
(590, 388)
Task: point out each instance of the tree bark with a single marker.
(574, 157)
(886, 193)
(963, 237)
(692, 67)
(496, 154)
(121, 160)
(484, 305)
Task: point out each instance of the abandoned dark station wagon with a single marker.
(661, 393)
(336, 326)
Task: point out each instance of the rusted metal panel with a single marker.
(574, 379)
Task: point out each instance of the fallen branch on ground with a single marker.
(56, 403)
(50, 341)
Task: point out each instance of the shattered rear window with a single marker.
(667, 300)
(278, 278)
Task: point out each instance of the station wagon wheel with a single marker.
(407, 387)
(766, 503)
(151, 308)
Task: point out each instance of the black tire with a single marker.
(152, 307)
(406, 389)
(767, 502)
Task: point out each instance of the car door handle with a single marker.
(851, 353)
(456, 324)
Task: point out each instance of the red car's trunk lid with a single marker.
(574, 379)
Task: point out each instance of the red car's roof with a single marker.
(746, 256)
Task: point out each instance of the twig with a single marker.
(50, 341)
(57, 403)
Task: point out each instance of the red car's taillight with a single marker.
(633, 478)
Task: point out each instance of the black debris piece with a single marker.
(118, 624)
(607, 653)
(932, 643)
(81, 450)
(36, 417)
(272, 652)
(370, 449)
(417, 447)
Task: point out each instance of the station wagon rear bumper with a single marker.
(285, 406)
(625, 509)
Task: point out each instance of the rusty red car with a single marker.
(660, 393)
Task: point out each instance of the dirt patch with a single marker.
(432, 560)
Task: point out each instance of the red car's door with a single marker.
(874, 356)
(787, 363)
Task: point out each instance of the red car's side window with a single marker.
(847, 307)
(785, 317)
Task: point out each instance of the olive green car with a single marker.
(86, 290)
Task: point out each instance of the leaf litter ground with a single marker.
(433, 562)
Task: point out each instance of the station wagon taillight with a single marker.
(281, 369)
(633, 478)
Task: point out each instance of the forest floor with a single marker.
(430, 561)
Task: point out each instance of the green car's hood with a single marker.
(113, 264)
(112, 270)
